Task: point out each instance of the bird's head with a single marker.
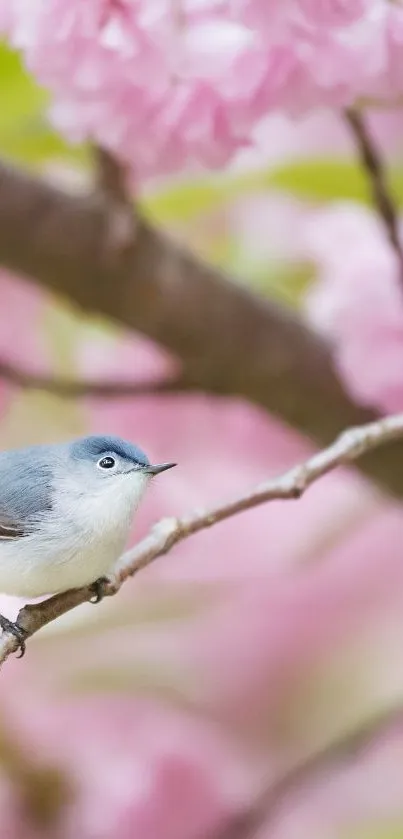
(111, 462)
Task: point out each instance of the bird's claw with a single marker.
(98, 589)
(15, 629)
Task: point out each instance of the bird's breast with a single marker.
(76, 542)
(103, 513)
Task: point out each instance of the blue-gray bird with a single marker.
(65, 513)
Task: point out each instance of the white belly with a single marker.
(31, 567)
(78, 543)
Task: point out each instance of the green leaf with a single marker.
(183, 200)
(19, 95)
(330, 180)
(25, 134)
(314, 180)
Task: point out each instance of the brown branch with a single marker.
(371, 160)
(111, 185)
(352, 444)
(111, 176)
(228, 340)
(72, 388)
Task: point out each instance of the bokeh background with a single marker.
(252, 679)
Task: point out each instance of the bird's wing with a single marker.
(25, 490)
(10, 529)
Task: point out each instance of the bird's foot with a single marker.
(15, 629)
(98, 589)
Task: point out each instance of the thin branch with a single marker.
(72, 388)
(352, 444)
(372, 163)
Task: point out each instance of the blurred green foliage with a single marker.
(386, 831)
(318, 180)
(330, 179)
(288, 283)
(25, 133)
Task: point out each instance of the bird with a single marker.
(65, 514)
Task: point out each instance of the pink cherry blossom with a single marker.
(167, 86)
(23, 304)
(124, 765)
(21, 341)
(357, 302)
(336, 13)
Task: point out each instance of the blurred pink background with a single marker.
(270, 646)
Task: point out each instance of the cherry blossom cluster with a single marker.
(170, 84)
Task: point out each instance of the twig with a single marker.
(72, 388)
(371, 160)
(350, 445)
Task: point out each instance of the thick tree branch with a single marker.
(371, 160)
(228, 340)
(353, 443)
(75, 388)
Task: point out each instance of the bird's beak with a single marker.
(159, 467)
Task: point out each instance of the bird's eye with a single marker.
(106, 463)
